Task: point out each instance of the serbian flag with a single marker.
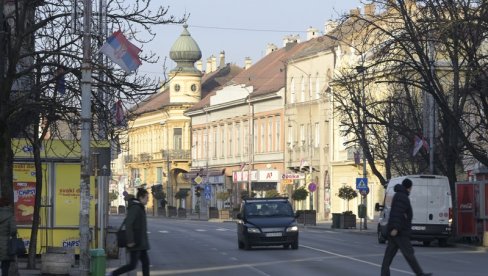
(118, 113)
(418, 144)
(122, 52)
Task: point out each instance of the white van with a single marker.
(432, 208)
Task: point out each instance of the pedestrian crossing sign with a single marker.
(361, 184)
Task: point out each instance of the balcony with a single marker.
(176, 154)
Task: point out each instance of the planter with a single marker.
(347, 221)
(224, 214)
(172, 211)
(213, 213)
(336, 220)
(234, 213)
(307, 217)
(181, 212)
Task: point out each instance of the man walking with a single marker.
(399, 230)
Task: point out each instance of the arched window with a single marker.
(292, 91)
(302, 90)
(317, 87)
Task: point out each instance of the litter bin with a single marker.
(98, 262)
(361, 210)
(336, 220)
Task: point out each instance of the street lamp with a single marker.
(361, 70)
(168, 174)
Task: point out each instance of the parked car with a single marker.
(266, 222)
(431, 204)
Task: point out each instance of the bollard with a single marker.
(485, 239)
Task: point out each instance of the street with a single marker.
(191, 247)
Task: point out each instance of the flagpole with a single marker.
(86, 86)
(432, 111)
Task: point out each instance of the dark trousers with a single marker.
(5, 267)
(403, 243)
(134, 257)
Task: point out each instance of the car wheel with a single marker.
(294, 245)
(443, 242)
(286, 246)
(426, 243)
(240, 244)
(381, 239)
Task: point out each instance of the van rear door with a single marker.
(418, 199)
(438, 202)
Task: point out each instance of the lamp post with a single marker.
(361, 70)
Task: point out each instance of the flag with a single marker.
(419, 143)
(243, 165)
(122, 52)
(118, 113)
(303, 164)
(60, 80)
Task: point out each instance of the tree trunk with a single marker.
(31, 262)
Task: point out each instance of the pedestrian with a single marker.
(399, 230)
(136, 231)
(8, 229)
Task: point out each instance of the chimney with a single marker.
(354, 12)
(208, 67)
(291, 39)
(214, 63)
(247, 63)
(312, 33)
(200, 65)
(222, 59)
(271, 48)
(330, 25)
(369, 10)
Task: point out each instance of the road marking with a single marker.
(163, 231)
(259, 271)
(200, 230)
(222, 229)
(353, 259)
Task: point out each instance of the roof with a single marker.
(210, 82)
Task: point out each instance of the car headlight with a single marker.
(293, 228)
(253, 230)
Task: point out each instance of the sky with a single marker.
(241, 28)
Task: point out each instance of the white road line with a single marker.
(222, 229)
(200, 230)
(260, 272)
(354, 259)
(163, 231)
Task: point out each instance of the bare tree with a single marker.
(40, 74)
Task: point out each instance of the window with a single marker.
(238, 139)
(290, 136)
(215, 147)
(317, 135)
(302, 90)
(194, 148)
(278, 134)
(246, 138)
(222, 141)
(159, 175)
(230, 145)
(177, 138)
(270, 135)
(205, 144)
(210, 142)
(309, 87)
(292, 91)
(255, 134)
(317, 87)
(263, 137)
(177, 87)
(302, 134)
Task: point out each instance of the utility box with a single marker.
(98, 263)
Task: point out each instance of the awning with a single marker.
(203, 172)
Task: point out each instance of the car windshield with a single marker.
(268, 209)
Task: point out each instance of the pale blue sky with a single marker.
(285, 17)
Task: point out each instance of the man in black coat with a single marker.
(399, 229)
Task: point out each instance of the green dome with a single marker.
(185, 52)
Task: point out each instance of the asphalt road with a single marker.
(189, 247)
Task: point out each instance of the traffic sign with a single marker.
(312, 187)
(364, 192)
(198, 179)
(207, 191)
(361, 183)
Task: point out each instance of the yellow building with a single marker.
(158, 139)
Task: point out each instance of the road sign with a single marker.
(312, 187)
(364, 192)
(198, 179)
(207, 191)
(361, 184)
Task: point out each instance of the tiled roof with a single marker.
(210, 82)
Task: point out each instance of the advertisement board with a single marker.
(466, 207)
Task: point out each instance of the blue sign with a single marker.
(362, 184)
(207, 191)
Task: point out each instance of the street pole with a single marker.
(310, 139)
(86, 87)
(250, 148)
(361, 69)
(432, 111)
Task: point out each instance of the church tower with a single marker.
(185, 79)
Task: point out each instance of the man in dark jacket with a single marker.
(136, 232)
(399, 229)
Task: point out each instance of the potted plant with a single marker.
(224, 213)
(181, 194)
(112, 196)
(300, 194)
(347, 219)
(272, 193)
